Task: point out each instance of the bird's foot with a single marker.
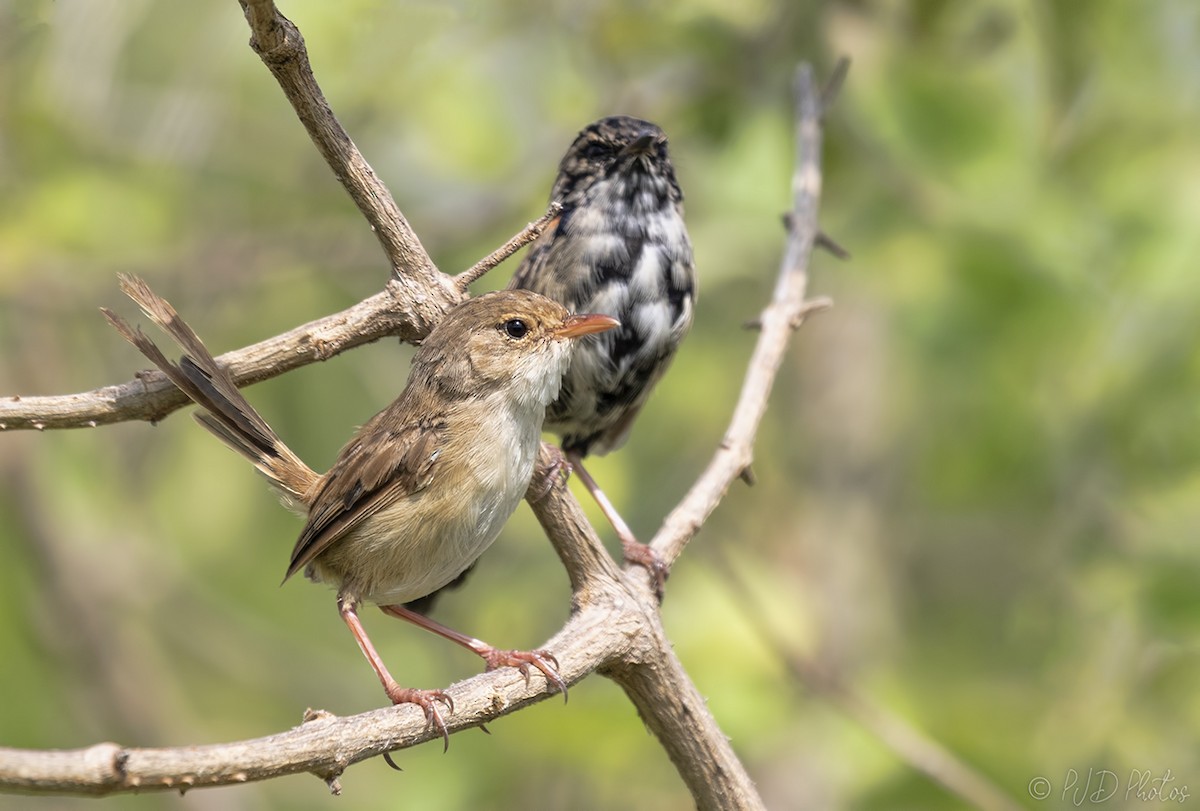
(543, 660)
(428, 701)
(643, 555)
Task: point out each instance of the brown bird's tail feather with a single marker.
(228, 415)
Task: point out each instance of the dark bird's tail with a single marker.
(227, 414)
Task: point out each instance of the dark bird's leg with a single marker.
(425, 699)
(543, 660)
(634, 550)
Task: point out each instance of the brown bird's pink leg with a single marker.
(425, 699)
(635, 552)
(543, 660)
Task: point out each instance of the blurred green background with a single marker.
(978, 491)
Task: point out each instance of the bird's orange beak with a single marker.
(585, 324)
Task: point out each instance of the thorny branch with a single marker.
(279, 44)
(909, 744)
(150, 396)
(784, 313)
(615, 629)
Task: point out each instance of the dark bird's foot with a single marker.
(634, 551)
(641, 554)
(543, 660)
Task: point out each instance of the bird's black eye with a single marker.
(515, 328)
(595, 151)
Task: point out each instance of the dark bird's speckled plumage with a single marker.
(619, 248)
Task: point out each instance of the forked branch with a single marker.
(615, 628)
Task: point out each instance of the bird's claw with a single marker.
(543, 660)
(641, 554)
(427, 700)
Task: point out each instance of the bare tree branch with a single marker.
(666, 699)
(615, 627)
(589, 566)
(919, 751)
(785, 312)
(325, 745)
(150, 396)
(279, 44)
(678, 715)
(528, 234)
(646, 666)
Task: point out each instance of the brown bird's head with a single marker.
(514, 342)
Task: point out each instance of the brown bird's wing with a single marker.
(385, 463)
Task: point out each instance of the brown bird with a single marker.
(425, 486)
(619, 247)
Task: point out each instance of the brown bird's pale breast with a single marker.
(414, 501)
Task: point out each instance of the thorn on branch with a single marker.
(833, 86)
(815, 305)
(747, 475)
(316, 715)
(823, 240)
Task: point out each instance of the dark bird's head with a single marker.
(621, 158)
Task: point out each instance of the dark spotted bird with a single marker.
(620, 248)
